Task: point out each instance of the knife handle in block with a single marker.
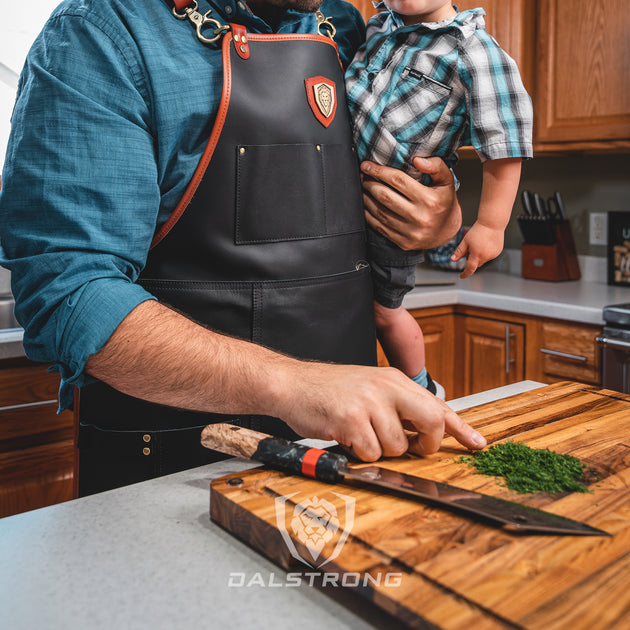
(275, 452)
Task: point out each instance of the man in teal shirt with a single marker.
(114, 109)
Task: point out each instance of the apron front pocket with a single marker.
(286, 192)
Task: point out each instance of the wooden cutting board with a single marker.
(432, 568)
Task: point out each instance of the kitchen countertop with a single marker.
(148, 556)
(577, 300)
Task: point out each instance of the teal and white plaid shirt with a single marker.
(428, 89)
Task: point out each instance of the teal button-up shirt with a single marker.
(115, 105)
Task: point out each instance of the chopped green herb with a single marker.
(527, 470)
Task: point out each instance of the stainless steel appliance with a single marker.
(615, 342)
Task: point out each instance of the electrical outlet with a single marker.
(598, 228)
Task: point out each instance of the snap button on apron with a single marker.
(146, 437)
(146, 451)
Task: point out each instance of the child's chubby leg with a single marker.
(401, 338)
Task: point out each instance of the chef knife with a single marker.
(527, 203)
(560, 205)
(539, 205)
(333, 468)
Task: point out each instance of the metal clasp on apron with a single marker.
(325, 24)
(202, 22)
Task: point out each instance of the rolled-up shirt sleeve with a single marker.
(500, 109)
(80, 193)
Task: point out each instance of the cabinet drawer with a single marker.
(570, 351)
(34, 423)
(27, 383)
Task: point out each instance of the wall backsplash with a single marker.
(588, 183)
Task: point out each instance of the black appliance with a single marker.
(615, 342)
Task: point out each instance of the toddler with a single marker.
(427, 81)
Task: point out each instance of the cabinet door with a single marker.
(583, 83)
(494, 353)
(439, 348)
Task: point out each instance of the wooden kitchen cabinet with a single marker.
(573, 57)
(493, 353)
(36, 444)
(473, 349)
(582, 95)
(570, 351)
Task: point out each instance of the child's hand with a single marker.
(480, 244)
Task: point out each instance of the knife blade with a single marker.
(560, 205)
(539, 205)
(333, 468)
(527, 203)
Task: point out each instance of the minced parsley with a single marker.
(528, 470)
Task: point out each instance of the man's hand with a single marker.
(365, 409)
(412, 215)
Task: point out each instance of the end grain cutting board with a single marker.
(456, 573)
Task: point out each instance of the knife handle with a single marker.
(275, 452)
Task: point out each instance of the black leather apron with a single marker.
(267, 244)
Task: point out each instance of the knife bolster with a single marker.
(299, 459)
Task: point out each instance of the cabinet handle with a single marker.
(39, 403)
(564, 355)
(508, 360)
(607, 341)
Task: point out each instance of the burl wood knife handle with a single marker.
(275, 452)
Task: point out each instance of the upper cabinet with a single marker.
(574, 56)
(582, 93)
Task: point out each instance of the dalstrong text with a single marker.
(313, 578)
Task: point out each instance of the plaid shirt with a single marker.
(428, 89)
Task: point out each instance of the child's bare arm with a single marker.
(484, 241)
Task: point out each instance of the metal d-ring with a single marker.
(201, 22)
(325, 24)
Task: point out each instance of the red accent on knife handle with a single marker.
(309, 461)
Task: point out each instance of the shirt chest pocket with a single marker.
(415, 106)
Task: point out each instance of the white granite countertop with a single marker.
(148, 557)
(576, 300)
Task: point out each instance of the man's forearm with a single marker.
(159, 355)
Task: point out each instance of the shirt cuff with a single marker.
(503, 150)
(87, 320)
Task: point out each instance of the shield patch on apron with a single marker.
(321, 94)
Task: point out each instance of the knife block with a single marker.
(555, 263)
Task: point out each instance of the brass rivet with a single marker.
(237, 38)
(318, 147)
(243, 48)
(146, 451)
(242, 150)
(244, 39)
(146, 437)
